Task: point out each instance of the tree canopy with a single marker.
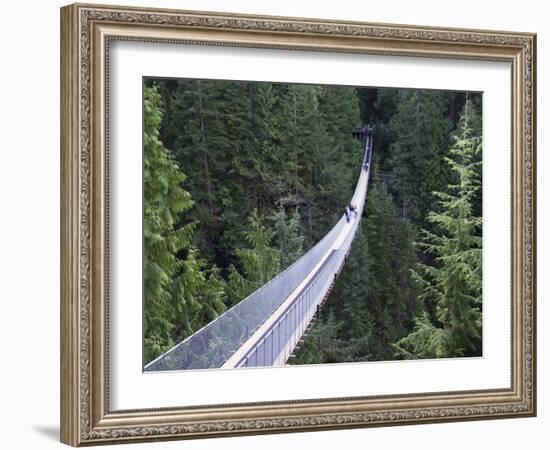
(241, 178)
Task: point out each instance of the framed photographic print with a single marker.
(275, 224)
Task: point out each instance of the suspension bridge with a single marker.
(265, 328)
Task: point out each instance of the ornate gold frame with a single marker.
(86, 31)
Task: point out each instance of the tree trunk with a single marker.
(206, 168)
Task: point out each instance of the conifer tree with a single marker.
(421, 129)
(375, 289)
(373, 295)
(324, 345)
(164, 200)
(187, 131)
(289, 240)
(450, 324)
(352, 291)
(390, 256)
(176, 291)
(258, 263)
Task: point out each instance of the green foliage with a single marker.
(390, 293)
(177, 292)
(247, 146)
(451, 288)
(421, 130)
(426, 341)
(258, 263)
(323, 344)
(163, 201)
(285, 152)
(289, 240)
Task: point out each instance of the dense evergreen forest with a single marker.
(241, 178)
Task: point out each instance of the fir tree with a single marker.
(450, 324)
(323, 345)
(390, 256)
(258, 263)
(164, 200)
(421, 128)
(352, 291)
(289, 240)
(176, 291)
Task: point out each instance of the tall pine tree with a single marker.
(258, 263)
(390, 294)
(450, 324)
(179, 294)
(289, 239)
(421, 130)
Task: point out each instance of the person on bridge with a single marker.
(348, 214)
(353, 209)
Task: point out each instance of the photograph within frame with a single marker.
(270, 290)
(86, 413)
